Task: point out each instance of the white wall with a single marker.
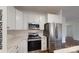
(64, 31)
(74, 29)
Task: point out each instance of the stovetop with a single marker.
(34, 36)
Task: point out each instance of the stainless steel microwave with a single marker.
(33, 26)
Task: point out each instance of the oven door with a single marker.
(34, 45)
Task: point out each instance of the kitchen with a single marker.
(37, 29)
(25, 22)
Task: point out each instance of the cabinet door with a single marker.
(22, 47)
(44, 43)
(11, 18)
(53, 18)
(35, 19)
(26, 19)
(12, 49)
(42, 21)
(19, 20)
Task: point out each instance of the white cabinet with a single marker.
(31, 17)
(34, 17)
(42, 21)
(12, 49)
(53, 18)
(26, 19)
(44, 43)
(19, 20)
(22, 47)
(11, 18)
(15, 19)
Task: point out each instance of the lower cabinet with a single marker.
(22, 47)
(44, 43)
(12, 49)
(19, 20)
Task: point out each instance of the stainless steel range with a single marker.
(34, 42)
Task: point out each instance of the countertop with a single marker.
(73, 49)
(17, 38)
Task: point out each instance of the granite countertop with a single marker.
(15, 37)
(68, 50)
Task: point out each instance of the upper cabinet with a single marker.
(19, 20)
(53, 18)
(11, 13)
(43, 20)
(31, 17)
(15, 19)
(35, 18)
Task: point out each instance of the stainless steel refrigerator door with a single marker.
(58, 40)
(55, 36)
(51, 37)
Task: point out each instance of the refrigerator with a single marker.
(53, 32)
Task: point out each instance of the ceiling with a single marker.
(48, 9)
(69, 12)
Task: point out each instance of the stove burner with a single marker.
(34, 36)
